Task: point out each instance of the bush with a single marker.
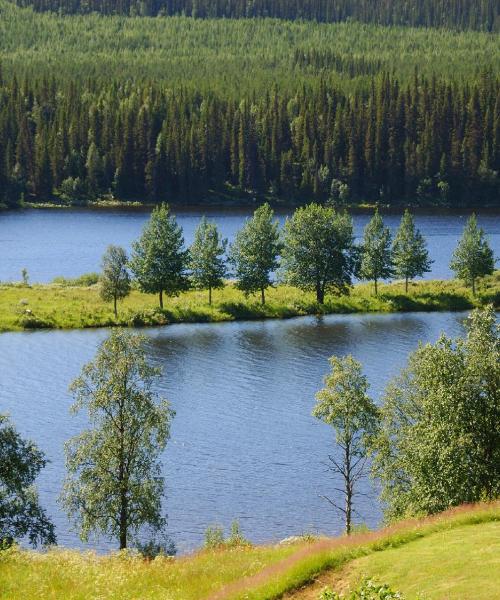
(164, 546)
(369, 590)
(85, 280)
(214, 537)
(30, 321)
(148, 317)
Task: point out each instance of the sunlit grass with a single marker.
(434, 555)
(58, 306)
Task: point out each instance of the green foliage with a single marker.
(206, 258)
(115, 279)
(158, 545)
(376, 261)
(20, 512)
(473, 258)
(114, 484)
(254, 252)
(85, 280)
(295, 111)
(319, 251)
(344, 404)
(410, 257)
(368, 590)
(159, 260)
(214, 537)
(439, 444)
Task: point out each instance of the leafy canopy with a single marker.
(319, 252)
(439, 444)
(114, 279)
(114, 481)
(376, 262)
(20, 512)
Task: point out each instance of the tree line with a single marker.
(433, 442)
(454, 14)
(315, 251)
(430, 141)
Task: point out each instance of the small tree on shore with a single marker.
(409, 251)
(344, 404)
(159, 260)
(376, 261)
(254, 253)
(319, 252)
(114, 279)
(206, 258)
(114, 484)
(473, 258)
(20, 512)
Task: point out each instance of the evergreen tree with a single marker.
(206, 258)
(159, 260)
(376, 261)
(114, 279)
(114, 484)
(409, 251)
(473, 258)
(254, 252)
(319, 252)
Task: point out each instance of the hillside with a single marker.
(462, 14)
(470, 536)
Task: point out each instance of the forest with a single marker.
(96, 108)
(461, 14)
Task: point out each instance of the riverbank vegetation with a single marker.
(471, 536)
(292, 111)
(74, 307)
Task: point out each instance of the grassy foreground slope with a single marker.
(449, 555)
(73, 307)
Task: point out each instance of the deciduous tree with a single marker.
(114, 279)
(376, 262)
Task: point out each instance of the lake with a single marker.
(244, 444)
(49, 243)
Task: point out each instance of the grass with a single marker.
(72, 305)
(454, 564)
(267, 572)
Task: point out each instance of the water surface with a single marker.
(244, 444)
(49, 243)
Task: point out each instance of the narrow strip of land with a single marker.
(62, 306)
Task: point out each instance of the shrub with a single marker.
(369, 590)
(154, 547)
(214, 537)
(85, 280)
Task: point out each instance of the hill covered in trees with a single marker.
(458, 14)
(181, 109)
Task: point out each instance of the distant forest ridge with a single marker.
(483, 15)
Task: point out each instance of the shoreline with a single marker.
(63, 306)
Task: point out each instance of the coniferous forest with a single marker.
(185, 110)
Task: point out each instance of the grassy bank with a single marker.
(80, 306)
(458, 539)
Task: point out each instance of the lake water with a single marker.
(49, 243)
(244, 444)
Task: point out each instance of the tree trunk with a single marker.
(320, 294)
(114, 306)
(161, 298)
(376, 288)
(210, 295)
(262, 295)
(406, 285)
(123, 521)
(348, 491)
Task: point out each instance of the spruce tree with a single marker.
(206, 258)
(254, 253)
(473, 258)
(159, 260)
(410, 257)
(376, 262)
